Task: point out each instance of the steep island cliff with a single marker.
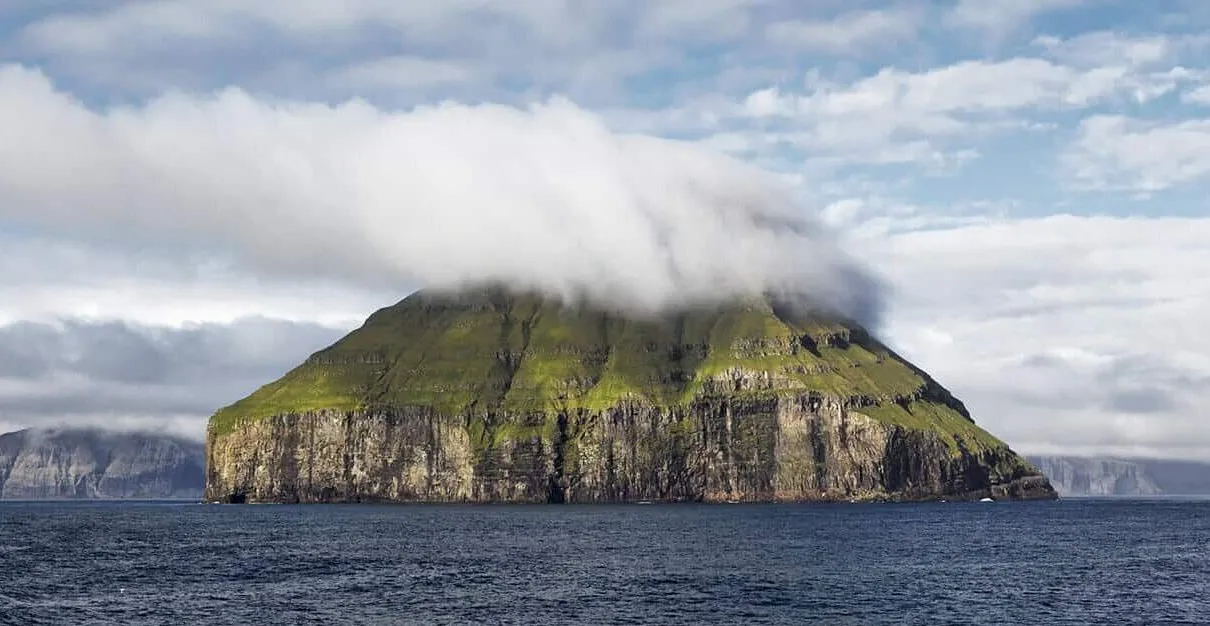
(492, 396)
(88, 463)
(1105, 476)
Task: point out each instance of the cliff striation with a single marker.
(90, 463)
(490, 396)
(1092, 476)
(1072, 476)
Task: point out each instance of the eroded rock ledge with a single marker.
(804, 448)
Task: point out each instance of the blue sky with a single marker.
(1028, 177)
(663, 71)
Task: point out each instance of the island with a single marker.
(95, 463)
(497, 395)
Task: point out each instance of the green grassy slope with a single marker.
(488, 351)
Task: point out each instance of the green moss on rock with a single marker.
(488, 352)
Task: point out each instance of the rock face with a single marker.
(89, 463)
(489, 396)
(1085, 476)
(1073, 476)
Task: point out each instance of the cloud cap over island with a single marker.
(1028, 178)
(545, 197)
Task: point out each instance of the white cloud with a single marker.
(1106, 48)
(964, 87)
(403, 72)
(485, 51)
(896, 116)
(315, 47)
(937, 118)
(689, 117)
(1001, 17)
(1113, 152)
(118, 374)
(1061, 332)
(545, 198)
(711, 19)
(1147, 66)
(854, 32)
(157, 285)
(129, 27)
(978, 86)
(1201, 95)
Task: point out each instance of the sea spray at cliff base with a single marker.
(544, 197)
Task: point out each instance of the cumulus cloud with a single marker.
(311, 47)
(1114, 152)
(133, 26)
(973, 86)
(897, 116)
(1063, 332)
(118, 374)
(935, 117)
(856, 32)
(1001, 17)
(1200, 95)
(403, 72)
(1111, 48)
(544, 198)
(43, 279)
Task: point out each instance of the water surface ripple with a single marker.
(1066, 562)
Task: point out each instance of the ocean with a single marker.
(1075, 561)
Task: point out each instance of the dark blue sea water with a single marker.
(1066, 562)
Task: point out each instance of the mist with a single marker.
(545, 198)
(132, 377)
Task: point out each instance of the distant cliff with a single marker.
(488, 395)
(93, 463)
(1085, 476)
